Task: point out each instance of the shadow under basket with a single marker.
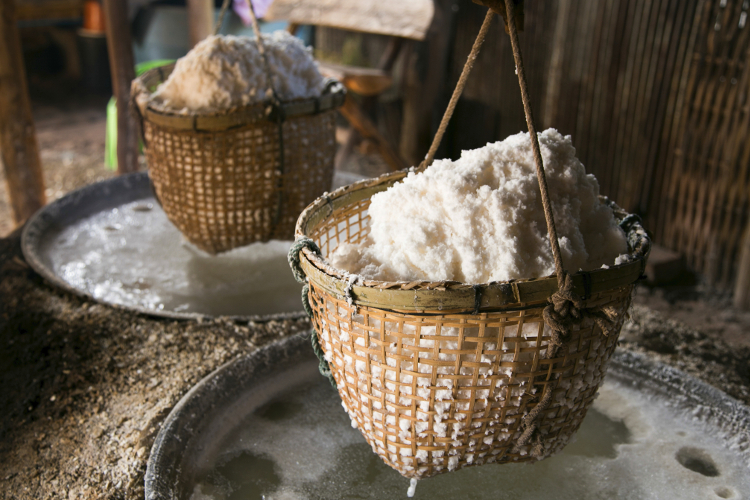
(221, 178)
(439, 375)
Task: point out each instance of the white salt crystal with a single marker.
(226, 71)
(412, 488)
(480, 218)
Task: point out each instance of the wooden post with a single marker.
(18, 147)
(122, 66)
(425, 84)
(200, 19)
(742, 285)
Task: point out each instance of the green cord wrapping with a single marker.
(299, 275)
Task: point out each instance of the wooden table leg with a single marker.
(18, 146)
(122, 65)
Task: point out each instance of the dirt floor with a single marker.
(86, 386)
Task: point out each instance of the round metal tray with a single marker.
(208, 416)
(42, 228)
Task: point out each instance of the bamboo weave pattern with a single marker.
(225, 189)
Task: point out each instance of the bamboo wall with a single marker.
(654, 94)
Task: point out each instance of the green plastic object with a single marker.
(110, 142)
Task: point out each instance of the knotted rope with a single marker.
(299, 275)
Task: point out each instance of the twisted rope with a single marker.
(278, 110)
(299, 275)
(457, 91)
(222, 13)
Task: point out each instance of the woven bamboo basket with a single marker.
(438, 375)
(221, 177)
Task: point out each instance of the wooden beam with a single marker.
(200, 20)
(408, 19)
(362, 81)
(18, 147)
(122, 66)
(49, 9)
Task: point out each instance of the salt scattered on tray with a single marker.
(222, 72)
(480, 218)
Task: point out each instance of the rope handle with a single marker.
(299, 275)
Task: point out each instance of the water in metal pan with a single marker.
(132, 255)
(632, 445)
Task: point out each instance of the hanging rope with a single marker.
(457, 91)
(278, 111)
(222, 13)
(541, 178)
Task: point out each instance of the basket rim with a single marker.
(446, 297)
(332, 98)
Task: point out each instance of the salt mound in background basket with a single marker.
(438, 375)
(219, 177)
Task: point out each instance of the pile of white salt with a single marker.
(480, 219)
(222, 72)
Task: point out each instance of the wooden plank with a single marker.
(601, 96)
(681, 90)
(32, 10)
(594, 22)
(718, 254)
(556, 69)
(122, 66)
(736, 186)
(705, 135)
(623, 34)
(668, 223)
(385, 17)
(18, 146)
(645, 95)
(200, 20)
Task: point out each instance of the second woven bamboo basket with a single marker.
(232, 178)
(439, 375)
